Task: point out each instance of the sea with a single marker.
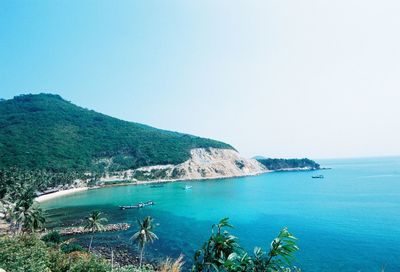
(347, 221)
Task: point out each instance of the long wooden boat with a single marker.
(137, 206)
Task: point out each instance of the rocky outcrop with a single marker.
(83, 230)
(205, 163)
(217, 163)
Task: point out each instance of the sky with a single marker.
(279, 78)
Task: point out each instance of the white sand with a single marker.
(59, 193)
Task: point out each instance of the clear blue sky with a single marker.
(277, 78)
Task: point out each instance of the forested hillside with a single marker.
(45, 131)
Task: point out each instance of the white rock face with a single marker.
(218, 163)
(205, 163)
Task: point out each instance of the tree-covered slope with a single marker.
(45, 131)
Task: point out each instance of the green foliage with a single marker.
(23, 253)
(71, 247)
(239, 164)
(19, 209)
(52, 237)
(223, 253)
(95, 223)
(279, 164)
(131, 268)
(92, 264)
(33, 218)
(58, 261)
(29, 253)
(46, 132)
(220, 253)
(144, 235)
(177, 173)
(19, 183)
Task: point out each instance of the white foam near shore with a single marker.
(43, 198)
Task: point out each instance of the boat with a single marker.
(156, 186)
(137, 206)
(318, 176)
(187, 187)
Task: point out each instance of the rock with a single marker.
(82, 230)
(205, 163)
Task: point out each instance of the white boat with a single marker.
(187, 187)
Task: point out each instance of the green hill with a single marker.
(47, 132)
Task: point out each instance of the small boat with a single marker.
(318, 176)
(156, 186)
(137, 206)
(187, 187)
(128, 207)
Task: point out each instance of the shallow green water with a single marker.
(349, 221)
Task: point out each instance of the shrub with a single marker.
(23, 253)
(52, 237)
(68, 248)
(92, 264)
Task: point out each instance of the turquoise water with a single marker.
(349, 221)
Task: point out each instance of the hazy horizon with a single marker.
(314, 79)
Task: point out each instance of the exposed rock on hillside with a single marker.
(205, 163)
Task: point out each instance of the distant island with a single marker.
(288, 164)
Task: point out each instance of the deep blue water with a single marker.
(348, 221)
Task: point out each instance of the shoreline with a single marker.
(51, 196)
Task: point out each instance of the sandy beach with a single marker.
(59, 193)
(46, 197)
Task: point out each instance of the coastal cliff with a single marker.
(204, 163)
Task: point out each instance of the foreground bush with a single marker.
(68, 248)
(29, 253)
(23, 253)
(52, 237)
(221, 252)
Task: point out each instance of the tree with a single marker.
(94, 222)
(217, 250)
(222, 253)
(144, 235)
(8, 209)
(20, 210)
(35, 218)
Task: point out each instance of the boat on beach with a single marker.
(137, 206)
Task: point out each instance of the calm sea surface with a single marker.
(348, 221)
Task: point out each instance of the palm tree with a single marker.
(144, 235)
(8, 209)
(21, 213)
(94, 223)
(34, 219)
